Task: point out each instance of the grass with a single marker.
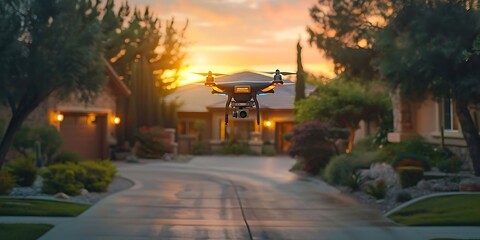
(452, 210)
(19, 231)
(36, 207)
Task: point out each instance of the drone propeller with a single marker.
(213, 74)
(282, 73)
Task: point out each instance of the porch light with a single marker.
(116, 120)
(59, 117)
(267, 124)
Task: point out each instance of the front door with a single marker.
(281, 128)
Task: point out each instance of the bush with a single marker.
(312, 143)
(98, 175)
(152, 142)
(269, 150)
(410, 160)
(236, 147)
(403, 196)
(49, 138)
(365, 145)
(63, 178)
(446, 161)
(65, 157)
(409, 176)
(355, 181)
(200, 148)
(6, 183)
(340, 168)
(378, 189)
(23, 170)
(414, 146)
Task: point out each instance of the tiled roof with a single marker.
(198, 98)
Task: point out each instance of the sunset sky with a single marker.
(233, 35)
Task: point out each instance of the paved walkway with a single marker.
(231, 198)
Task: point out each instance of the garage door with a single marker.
(84, 134)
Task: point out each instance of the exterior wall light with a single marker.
(267, 124)
(116, 120)
(60, 117)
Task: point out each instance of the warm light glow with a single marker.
(215, 88)
(60, 117)
(242, 89)
(362, 43)
(91, 118)
(268, 88)
(267, 124)
(116, 120)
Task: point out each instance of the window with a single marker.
(186, 128)
(450, 120)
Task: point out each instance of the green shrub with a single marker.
(403, 196)
(410, 160)
(446, 161)
(98, 175)
(66, 156)
(365, 145)
(340, 168)
(50, 140)
(378, 189)
(24, 140)
(355, 181)
(6, 183)
(269, 150)
(409, 176)
(63, 178)
(200, 148)
(23, 170)
(236, 147)
(416, 146)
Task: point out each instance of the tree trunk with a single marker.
(470, 133)
(351, 137)
(13, 126)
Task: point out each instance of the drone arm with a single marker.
(258, 108)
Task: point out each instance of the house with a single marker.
(86, 128)
(197, 103)
(428, 119)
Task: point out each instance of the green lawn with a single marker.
(34, 207)
(453, 210)
(23, 231)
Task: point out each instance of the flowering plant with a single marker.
(152, 142)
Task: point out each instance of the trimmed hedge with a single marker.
(71, 178)
(6, 183)
(409, 176)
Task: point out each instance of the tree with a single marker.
(300, 83)
(433, 47)
(149, 56)
(344, 30)
(47, 47)
(342, 104)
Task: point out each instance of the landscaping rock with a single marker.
(61, 195)
(470, 185)
(83, 192)
(424, 185)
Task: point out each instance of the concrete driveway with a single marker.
(229, 198)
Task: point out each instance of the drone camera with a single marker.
(240, 113)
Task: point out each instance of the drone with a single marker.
(242, 95)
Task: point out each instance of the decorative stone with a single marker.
(438, 187)
(83, 192)
(469, 185)
(61, 195)
(424, 185)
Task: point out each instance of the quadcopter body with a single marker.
(242, 95)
